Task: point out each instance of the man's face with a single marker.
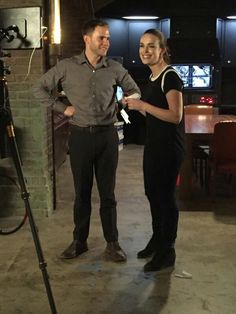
(98, 42)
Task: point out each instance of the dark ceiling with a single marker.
(162, 8)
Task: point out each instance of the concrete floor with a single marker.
(89, 285)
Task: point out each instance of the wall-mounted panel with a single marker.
(229, 55)
(20, 28)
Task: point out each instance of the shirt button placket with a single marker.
(93, 88)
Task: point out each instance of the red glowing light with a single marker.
(207, 100)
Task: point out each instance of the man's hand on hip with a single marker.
(69, 112)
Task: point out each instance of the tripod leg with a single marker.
(25, 197)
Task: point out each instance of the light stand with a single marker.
(6, 123)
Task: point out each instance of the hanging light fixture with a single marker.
(140, 17)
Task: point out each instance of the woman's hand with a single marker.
(69, 112)
(135, 104)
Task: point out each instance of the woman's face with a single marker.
(149, 50)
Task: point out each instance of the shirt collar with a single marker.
(82, 59)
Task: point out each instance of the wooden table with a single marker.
(197, 127)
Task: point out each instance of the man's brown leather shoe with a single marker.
(114, 252)
(75, 249)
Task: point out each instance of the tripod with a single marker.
(7, 125)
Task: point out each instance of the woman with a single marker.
(162, 104)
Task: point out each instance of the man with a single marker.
(89, 81)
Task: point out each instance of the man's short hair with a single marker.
(90, 26)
